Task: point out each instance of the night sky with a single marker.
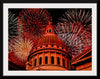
(55, 13)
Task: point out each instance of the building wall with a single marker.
(86, 66)
(49, 53)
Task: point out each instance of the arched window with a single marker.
(46, 60)
(41, 47)
(52, 60)
(58, 60)
(40, 60)
(49, 30)
(35, 61)
(51, 45)
(63, 62)
(46, 45)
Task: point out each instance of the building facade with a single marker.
(49, 53)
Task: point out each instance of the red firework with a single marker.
(74, 29)
(33, 21)
(20, 48)
(31, 25)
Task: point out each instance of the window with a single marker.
(41, 47)
(35, 62)
(52, 60)
(40, 60)
(46, 45)
(46, 60)
(49, 30)
(63, 62)
(51, 45)
(58, 60)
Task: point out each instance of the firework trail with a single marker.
(13, 32)
(74, 30)
(33, 21)
(21, 48)
(12, 23)
(16, 60)
(31, 25)
(78, 15)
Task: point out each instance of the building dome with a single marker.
(49, 53)
(49, 38)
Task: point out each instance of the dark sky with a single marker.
(55, 13)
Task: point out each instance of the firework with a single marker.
(21, 47)
(72, 29)
(78, 15)
(33, 21)
(31, 25)
(12, 23)
(16, 60)
(13, 32)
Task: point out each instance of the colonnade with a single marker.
(36, 59)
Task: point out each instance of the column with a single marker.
(37, 59)
(43, 58)
(61, 63)
(66, 62)
(49, 58)
(55, 59)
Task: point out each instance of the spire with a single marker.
(49, 28)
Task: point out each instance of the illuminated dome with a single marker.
(49, 38)
(49, 53)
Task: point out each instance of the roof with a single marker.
(82, 56)
(49, 38)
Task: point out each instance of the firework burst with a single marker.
(13, 32)
(33, 21)
(78, 15)
(21, 47)
(12, 21)
(31, 25)
(72, 29)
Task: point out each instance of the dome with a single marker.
(49, 38)
(49, 53)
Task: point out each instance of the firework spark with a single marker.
(72, 29)
(13, 32)
(12, 21)
(33, 21)
(21, 47)
(31, 25)
(78, 15)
